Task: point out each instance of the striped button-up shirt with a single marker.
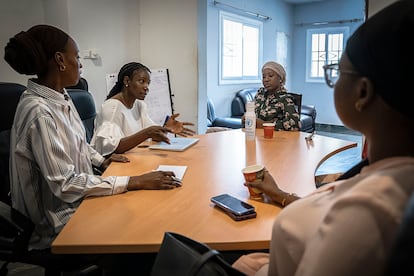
(51, 162)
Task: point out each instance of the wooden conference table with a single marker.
(136, 221)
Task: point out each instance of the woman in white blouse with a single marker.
(123, 121)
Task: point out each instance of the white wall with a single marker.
(169, 39)
(96, 24)
(14, 18)
(160, 34)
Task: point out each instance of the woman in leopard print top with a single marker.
(272, 102)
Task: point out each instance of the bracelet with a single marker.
(283, 203)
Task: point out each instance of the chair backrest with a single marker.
(211, 113)
(85, 105)
(9, 97)
(238, 104)
(402, 254)
(297, 98)
(82, 84)
(16, 229)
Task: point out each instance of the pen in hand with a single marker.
(166, 120)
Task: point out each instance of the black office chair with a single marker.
(297, 99)
(82, 84)
(16, 229)
(9, 94)
(85, 105)
(401, 258)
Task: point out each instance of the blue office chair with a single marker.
(215, 121)
(85, 105)
(82, 84)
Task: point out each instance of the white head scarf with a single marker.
(276, 67)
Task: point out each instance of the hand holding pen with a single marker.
(177, 127)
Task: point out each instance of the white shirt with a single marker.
(115, 121)
(51, 162)
(344, 228)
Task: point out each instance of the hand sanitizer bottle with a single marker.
(250, 121)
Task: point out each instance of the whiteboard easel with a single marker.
(159, 97)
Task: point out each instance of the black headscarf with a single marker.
(381, 49)
(29, 52)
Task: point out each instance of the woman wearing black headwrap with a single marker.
(123, 121)
(51, 161)
(348, 227)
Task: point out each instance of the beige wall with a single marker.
(158, 33)
(168, 39)
(375, 5)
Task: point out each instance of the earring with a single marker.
(126, 85)
(358, 106)
(62, 68)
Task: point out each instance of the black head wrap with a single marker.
(126, 70)
(29, 52)
(381, 49)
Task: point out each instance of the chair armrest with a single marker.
(227, 122)
(237, 107)
(309, 110)
(15, 231)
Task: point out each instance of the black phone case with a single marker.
(236, 217)
(232, 205)
(242, 217)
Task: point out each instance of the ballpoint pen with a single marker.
(166, 120)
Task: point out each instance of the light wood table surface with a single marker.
(136, 221)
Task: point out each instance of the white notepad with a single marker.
(177, 144)
(179, 171)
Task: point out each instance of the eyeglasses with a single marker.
(332, 73)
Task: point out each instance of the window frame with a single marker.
(344, 30)
(245, 21)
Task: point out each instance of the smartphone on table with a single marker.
(234, 207)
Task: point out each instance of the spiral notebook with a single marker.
(177, 144)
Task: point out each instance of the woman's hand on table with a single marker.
(113, 158)
(156, 180)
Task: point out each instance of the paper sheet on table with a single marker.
(178, 170)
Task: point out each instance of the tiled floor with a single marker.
(337, 163)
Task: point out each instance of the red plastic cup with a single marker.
(252, 173)
(268, 129)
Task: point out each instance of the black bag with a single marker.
(182, 256)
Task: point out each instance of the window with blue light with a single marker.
(240, 49)
(323, 46)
